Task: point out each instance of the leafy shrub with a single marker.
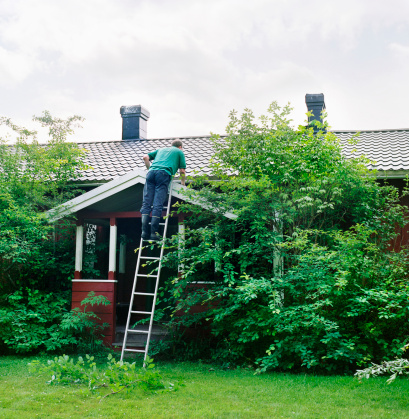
(33, 321)
(305, 274)
(342, 306)
(35, 177)
(82, 324)
(395, 368)
(116, 376)
(30, 321)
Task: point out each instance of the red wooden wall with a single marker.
(107, 314)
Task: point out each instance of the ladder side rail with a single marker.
(131, 301)
(158, 275)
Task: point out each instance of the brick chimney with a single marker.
(316, 104)
(134, 122)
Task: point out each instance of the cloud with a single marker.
(14, 67)
(401, 50)
(190, 61)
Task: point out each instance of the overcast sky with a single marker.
(190, 62)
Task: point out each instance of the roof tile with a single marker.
(389, 148)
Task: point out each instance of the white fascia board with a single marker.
(98, 194)
(117, 185)
(392, 174)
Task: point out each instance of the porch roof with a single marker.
(122, 194)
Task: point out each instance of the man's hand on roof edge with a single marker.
(182, 176)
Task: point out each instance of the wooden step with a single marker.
(139, 338)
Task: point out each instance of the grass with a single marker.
(209, 393)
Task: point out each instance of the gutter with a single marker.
(392, 174)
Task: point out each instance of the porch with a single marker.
(106, 254)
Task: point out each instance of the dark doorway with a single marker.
(129, 236)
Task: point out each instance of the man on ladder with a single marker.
(166, 162)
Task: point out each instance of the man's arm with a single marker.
(146, 161)
(182, 176)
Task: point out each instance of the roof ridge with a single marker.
(193, 137)
(368, 130)
(147, 139)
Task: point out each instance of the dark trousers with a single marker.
(154, 192)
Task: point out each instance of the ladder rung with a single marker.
(149, 257)
(144, 293)
(141, 312)
(162, 224)
(147, 276)
(135, 350)
(137, 331)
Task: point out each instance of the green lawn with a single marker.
(207, 394)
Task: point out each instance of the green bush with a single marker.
(35, 177)
(304, 275)
(30, 321)
(342, 306)
(35, 321)
(82, 324)
(117, 376)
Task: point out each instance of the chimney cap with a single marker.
(135, 110)
(315, 99)
(134, 122)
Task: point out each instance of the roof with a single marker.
(116, 158)
(388, 148)
(124, 193)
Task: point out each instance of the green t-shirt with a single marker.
(169, 159)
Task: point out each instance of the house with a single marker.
(108, 217)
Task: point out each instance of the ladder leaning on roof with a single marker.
(154, 277)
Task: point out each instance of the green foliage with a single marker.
(395, 368)
(83, 324)
(35, 321)
(35, 177)
(342, 306)
(29, 321)
(116, 375)
(39, 174)
(305, 274)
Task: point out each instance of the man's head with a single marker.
(177, 143)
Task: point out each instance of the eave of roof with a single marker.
(116, 186)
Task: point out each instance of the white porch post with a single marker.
(112, 248)
(79, 250)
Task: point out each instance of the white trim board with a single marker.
(114, 186)
(98, 194)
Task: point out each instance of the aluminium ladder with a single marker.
(155, 278)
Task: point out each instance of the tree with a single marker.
(33, 178)
(305, 276)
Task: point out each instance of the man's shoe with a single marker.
(155, 236)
